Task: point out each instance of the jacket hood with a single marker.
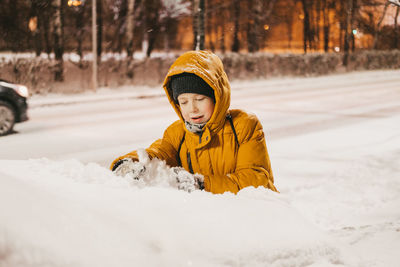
(209, 67)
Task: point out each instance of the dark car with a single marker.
(13, 105)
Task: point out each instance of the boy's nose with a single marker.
(193, 107)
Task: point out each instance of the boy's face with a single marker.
(196, 108)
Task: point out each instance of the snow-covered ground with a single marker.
(9, 56)
(334, 144)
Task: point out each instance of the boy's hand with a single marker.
(127, 166)
(187, 181)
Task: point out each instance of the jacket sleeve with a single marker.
(163, 149)
(253, 167)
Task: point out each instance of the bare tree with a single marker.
(354, 10)
(130, 22)
(378, 27)
(12, 28)
(171, 10)
(151, 24)
(258, 14)
(236, 17)
(99, 28)
(396, 29)
(119, 12)
(254, 25)
(198, 24)
(286, 13)
(347, 30)
(306, 26)
(209, 24)
(221, 28)
(58, 40)
(44, 21)
(325, 12)
(78, 12)
(34, 27)
(318, 10)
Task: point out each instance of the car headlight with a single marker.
(22, 90)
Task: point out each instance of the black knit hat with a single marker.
(189, 83)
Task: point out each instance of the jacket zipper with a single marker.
(189, 162)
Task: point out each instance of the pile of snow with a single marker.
(67, 213)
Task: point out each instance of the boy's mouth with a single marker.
(197, 119)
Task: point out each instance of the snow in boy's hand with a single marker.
(154, 172)
(131, 169)
(187, 181)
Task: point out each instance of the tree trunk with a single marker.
(258, 28)
(116, 42)
(353, 12)
(210, 28)
(317, 21)
(254, 31)
(202, 34)
(12, 23)
(198, 23)
(378, 27)
(167, 25)
(34, 27)
(306, 27)
(58, 41)
(349, 7)
(250, 28)
(121, 30)
(130, 22)
(152, 42)
(236, 17)
(326, 25)
(289, 14)
(195, 6)
(221, 23)
(145, 38)
(396, 30)
(99, 28)
(264, 16)
(44, 23)
(152, 24)
(79, 24)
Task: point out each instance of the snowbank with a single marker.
(115, 70)
(67, 213)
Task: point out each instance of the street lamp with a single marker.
(77, 3)
(74, 3)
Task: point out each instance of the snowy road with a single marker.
(95, 128)
(334, 144)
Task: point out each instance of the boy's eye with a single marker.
(183, 103)
(200, 99)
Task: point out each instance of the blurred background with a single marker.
(136, 40)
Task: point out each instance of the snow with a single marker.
(334, 144)
(10, 57)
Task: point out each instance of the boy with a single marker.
(227, 147)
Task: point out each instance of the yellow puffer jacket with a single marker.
(225, 164)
